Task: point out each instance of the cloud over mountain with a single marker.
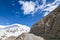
(32, 7)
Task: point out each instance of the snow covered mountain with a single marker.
(12, 30)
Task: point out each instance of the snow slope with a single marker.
(12, 30)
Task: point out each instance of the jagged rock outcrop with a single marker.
(49, 26)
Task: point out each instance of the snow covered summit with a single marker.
(12, 30)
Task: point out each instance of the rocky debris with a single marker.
(11, 38)
(21, 37)
(49, 26)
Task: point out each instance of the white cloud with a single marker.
(51, 7)
(29, 7)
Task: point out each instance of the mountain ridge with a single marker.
(49, 26)
(13, 30)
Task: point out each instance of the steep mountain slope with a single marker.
(12, 31)
(49, 26)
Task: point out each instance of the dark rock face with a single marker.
(49, 26)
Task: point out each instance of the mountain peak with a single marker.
(13, 30)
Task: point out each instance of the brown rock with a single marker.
(49, 26)
(21, 37)
(11, 38)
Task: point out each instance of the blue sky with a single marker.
(14, 11)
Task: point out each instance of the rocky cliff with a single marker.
(49, 26)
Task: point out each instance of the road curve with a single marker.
(28, 36)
